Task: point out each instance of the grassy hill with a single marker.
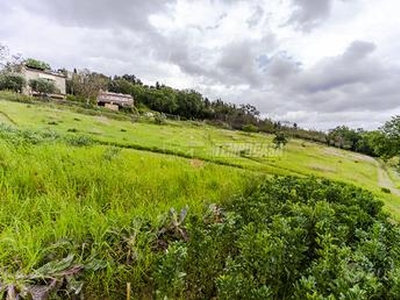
(191, 139)
(84, 183)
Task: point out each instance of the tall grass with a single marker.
(56, 200)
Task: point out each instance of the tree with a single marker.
(343, 137)
(250, 128)
(37, 64)
(391, 132)
(280, 140)
(42, 86)
(12, 82)
(9, 62)
(86, 84)
(4, 53)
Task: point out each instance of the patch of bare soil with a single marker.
(196, 163)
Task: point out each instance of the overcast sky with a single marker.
(319, 63)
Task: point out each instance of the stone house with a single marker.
(114, 101)
(57, 78)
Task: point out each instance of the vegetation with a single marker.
(42, 86)
(65, 199)
(390, 139)
(191, 105)
(291, 239)
(280, 140)
(84, 86)
(104, 205)
(12, 82)
(37, 64)
(253, 151)
(79, 218)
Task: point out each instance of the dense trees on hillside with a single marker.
(384, 142)
(391, 142)
(188, 104)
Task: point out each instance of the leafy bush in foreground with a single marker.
(290, 239)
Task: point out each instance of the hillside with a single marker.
(197, 140)
(86, 195)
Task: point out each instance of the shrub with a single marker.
(12, 82)
(37, 64)
(280, 140)
(288, 239)
(250, 128)
(160, 119)
(42, 86)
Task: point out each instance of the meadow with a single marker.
(55, 196)
(251, 151)
(105, 206)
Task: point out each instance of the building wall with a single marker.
(111, 106)
(115, 98)
(29, 74)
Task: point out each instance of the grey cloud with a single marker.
(281, 66)
(255, 19)
(218, 23)
(354, 66)
(358, 50)
(353, 81)
(238, 62)
(309, 13)
(132, 14)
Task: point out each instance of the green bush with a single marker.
(289, 239)
(280, 140)
(42, 86)
(37, 64)
(12, 82)
(250, 128)
(160, 119)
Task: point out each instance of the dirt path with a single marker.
(384, 179)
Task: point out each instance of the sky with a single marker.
(319, 63)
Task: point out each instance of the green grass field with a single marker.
(251, 151)
(55, 197)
